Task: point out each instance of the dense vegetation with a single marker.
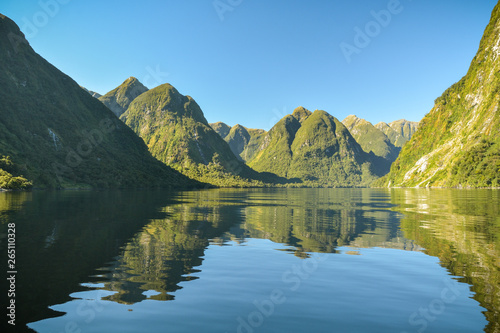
(7, 180)
(177, 133)
(61, 137)
(316, 149)
(462, 128)
(479, 166)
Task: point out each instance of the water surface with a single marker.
(260, 260)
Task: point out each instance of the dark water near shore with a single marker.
(260, 260)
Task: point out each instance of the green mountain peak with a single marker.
(319, 150)
(301, 113)
(119, 99)
(221, 128)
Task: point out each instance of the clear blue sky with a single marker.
(265, 57)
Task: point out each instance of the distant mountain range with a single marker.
(399, 132)
(303, 149)
(244, 142)
(58, 136)
(458, 141)
(92, 93)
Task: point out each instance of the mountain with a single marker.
(92, 93)
(458, 141)
(399, 132)
(244, 142)
(371, 139)
(57, 135)
(314, 147)
(221, 128)
(237, 138)
(252, 146)
(177, 133)
(118, 99)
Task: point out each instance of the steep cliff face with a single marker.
(58, 135)
(458, 141)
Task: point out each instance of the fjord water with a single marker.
(259, 260)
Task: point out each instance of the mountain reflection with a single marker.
(147, 244)
(63, 236)
(167, 251)
(462, 229)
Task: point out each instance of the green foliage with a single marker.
(316, 149)
(478, 167)
(7, 180)
(177, 133)
(456, 143)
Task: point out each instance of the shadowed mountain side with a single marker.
(372, 140)
(221, 128)
(58, 135)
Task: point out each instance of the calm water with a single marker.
(272, 260)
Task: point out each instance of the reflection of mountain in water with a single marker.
(319, 220)
(167, 251)
(462, 228)
(62, 237)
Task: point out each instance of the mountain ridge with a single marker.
(119, 99)
(314, 147)
(59, 136)
(457, 143)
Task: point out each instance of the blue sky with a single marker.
(253, 61)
